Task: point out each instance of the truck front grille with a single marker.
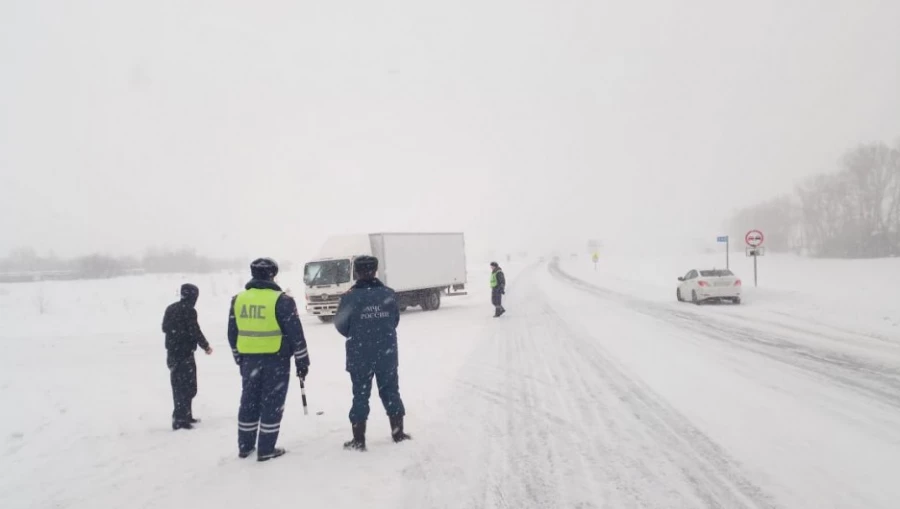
(324, 298)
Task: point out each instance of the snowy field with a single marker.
(595, 390)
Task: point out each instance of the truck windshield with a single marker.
(330, 272)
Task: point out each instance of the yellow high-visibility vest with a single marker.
(258, 329)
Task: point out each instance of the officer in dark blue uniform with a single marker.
(264, 332)
(368, 316)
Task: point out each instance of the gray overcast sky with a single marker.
(258, 128)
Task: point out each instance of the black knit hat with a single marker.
(365, 267)
(264, 268)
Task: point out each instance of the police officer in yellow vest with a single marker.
(498, 288)
(264, 332)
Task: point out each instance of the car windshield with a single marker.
(716, 273)
(329, 272)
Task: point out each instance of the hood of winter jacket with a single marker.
(190, 294)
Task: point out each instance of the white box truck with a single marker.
(418, 266)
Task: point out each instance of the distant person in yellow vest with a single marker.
(498, 288)
(264, 332)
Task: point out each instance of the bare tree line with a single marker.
(25, 264)
(851, 213)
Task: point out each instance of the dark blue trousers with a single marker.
(388, 381)
(265, 385)
(183, 375)
(496, 297)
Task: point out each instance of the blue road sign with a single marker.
(722, 239)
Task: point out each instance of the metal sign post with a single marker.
(755, 279)
(754, 240)
(724, 238)
(755, 252)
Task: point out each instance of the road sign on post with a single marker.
(754, 240)
(595, 257)
(724, 238)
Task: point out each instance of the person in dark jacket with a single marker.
(183, 335)
(264, 332)
(368, 316)
(498, 288)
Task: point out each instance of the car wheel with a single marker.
(694, 297)
(326, 319)
(736, 300)
(678, 295)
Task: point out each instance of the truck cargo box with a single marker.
(417, 261)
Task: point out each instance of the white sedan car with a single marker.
(709, 285)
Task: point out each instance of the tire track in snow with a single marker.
(829, 331)
(881, 383)
(550, 420)
(716, 479)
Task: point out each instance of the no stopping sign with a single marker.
(754, 238)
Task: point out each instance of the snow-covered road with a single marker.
(549, 419)
(582, 396)
(812, 419)
(586, 397)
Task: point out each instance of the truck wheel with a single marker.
(432, 300)
(326, 319)
(402, 308)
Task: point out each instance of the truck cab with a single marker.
(326, 281)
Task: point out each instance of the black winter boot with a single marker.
(397, 429)
(190, 415)
(359, 438)
(277, 452)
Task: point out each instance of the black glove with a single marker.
(237, 359)
(302, 370)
